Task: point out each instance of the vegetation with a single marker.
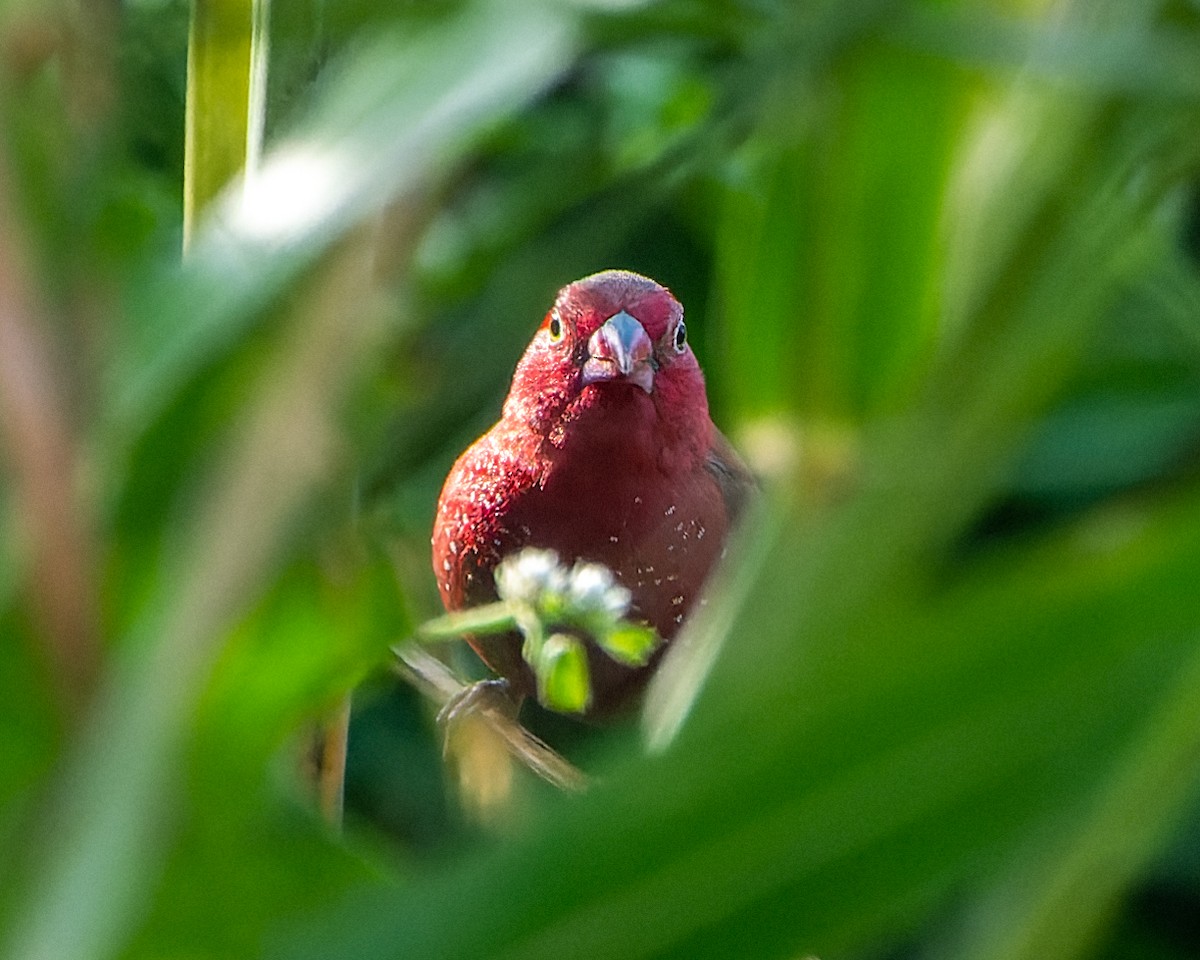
(940, 265)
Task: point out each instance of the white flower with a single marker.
(525, 576)
(592, 589)
(587, 595)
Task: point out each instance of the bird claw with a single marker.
(483, 696)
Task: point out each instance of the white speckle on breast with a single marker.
(446, 565)
(614, 539)
(677, 600)
(670, 510)
(454, 546)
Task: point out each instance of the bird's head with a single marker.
(613, 342)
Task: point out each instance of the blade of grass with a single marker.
(398, 113)
(918, 746)
(43, 458)
(390, 122)
(113, 803)
(226, 41)
(1057, 905)
(926, 477)
(882, 739)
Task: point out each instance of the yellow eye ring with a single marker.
(556, 328)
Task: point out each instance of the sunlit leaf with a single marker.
(562, 673)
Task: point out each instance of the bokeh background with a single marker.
(941, 264)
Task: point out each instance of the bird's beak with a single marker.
(620, 349)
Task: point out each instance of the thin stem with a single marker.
(490, 618)
(331, 764)
(433, 678)
(39, 443)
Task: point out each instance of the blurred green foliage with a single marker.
(940, 263)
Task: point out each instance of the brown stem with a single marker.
(43, 465)
(331, 765)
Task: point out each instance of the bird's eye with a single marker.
(680, 337)
(556, 328)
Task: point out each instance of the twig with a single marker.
(433, 678)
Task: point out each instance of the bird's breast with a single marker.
(655, 517)
(659, 532)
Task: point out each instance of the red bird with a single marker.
(605, 452)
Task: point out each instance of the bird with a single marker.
(604, 453)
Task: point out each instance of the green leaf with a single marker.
(842, 223)
(396, 113)
(564, 683)
(629, 643)
(950, 702)
(222, 121)
(393, 118)
(1057, 905)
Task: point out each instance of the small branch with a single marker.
(433, 678)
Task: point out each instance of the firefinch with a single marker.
(605, 452)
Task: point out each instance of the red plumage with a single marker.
(604, 452)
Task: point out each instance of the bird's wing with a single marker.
(734, 479)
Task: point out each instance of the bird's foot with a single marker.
(482, 696)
